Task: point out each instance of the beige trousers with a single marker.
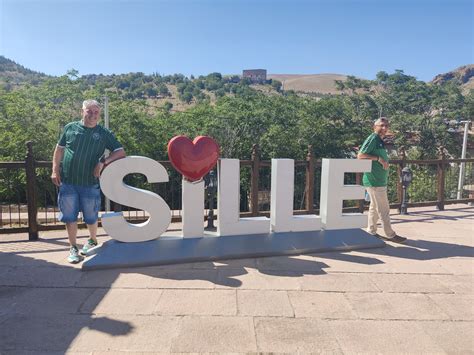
(379, 208)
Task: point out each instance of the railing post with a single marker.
(309, 190)
(31, 192)
(254, 174)
(399, 180)
(441, 179)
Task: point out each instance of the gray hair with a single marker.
(380, 121)
(88, 103)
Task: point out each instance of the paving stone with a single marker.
(53, 258)
(251, 279)
(122, 301)
(417, 283)
(42, 301)
(452, 337)
(457, 283)
(226, 264)
(215, 334)
(36, 352)
(457, 306)
(41, 333)
(321, 305)
(99, 278)
(377, 337)
(458, 266)
(290, 335)
(128, 333)
(373, 261)
(197, 302)
(264, 303)
(397, 265)
(340, 282)
(395, 306)
(191, 279)
(39, 276)
(293, 264)
(127, 277)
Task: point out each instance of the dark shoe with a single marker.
(397, 239)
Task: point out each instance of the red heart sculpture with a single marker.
(193, 159)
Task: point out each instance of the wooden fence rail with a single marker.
(310, 163)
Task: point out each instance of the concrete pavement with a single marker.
(413, 298)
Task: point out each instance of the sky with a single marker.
(356, 37)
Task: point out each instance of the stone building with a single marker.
(255, 75)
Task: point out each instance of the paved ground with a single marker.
(416, 298)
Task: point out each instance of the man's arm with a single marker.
(57, 158)
(115, 155)
(373, 157)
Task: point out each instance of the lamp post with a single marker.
(211, 187)
(405, 179)
(463, 156)
(106, 125)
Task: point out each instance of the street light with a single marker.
(211, 186)
(106, 125)
(463, 156)
(405, 179)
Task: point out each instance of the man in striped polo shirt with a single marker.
(78, 161)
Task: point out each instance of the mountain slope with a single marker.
(12, 73)
(463, 76)
(314, 83)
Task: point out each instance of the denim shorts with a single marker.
(73, 199)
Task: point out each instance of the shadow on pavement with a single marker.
(40, 306)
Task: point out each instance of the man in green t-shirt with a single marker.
(78, 161)
(375, 181)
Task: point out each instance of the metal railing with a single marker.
(28, 198)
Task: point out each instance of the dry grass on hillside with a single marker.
(317, 83)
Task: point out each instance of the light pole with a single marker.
(106, 124)
(463, 156)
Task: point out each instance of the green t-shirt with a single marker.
(83, 148)
(378, 176)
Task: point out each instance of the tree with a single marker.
(72, 74)
(167, 106)
(276, 85)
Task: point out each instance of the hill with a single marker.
(463, 76)
(13, 74)
(310, 83)
(177, 92)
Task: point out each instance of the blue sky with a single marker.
(358, 37)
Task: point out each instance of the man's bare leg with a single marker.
(93, 231)
(71, 229)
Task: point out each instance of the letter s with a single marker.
(112, 185)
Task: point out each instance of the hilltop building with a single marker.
(255, 75)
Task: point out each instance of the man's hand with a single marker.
(98, 169)
(384, 163)
(56, 178)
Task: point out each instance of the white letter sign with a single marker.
(112, 185)
(334, 192)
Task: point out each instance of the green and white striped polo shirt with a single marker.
(83, 147)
